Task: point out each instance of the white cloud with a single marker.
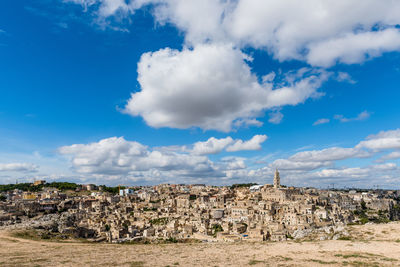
(390, 156)
(212, 87)
(345, 172)
(315, 159)
(214, 145)
(381, 141)
(353, 47)
(321, 121)
(18, 167)
(344, 77)
(384, 167)
(211, 146)
(246, 123)
(253, 144)
(329, 154)
(199, 20)
(285, 164)
(234, 163)
(360, 117)
(355, 172)
(275, 117)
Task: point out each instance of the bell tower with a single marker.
(277, 179)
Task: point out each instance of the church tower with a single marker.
(277, 179)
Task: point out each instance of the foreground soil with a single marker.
(370, 245)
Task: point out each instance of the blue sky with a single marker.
(217, 92)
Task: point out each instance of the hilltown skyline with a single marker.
(173, 213)
(268, 181)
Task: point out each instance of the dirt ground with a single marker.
(371, 245)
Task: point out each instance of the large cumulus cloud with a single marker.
(211, 86)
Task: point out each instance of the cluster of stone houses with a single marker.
(262, 212)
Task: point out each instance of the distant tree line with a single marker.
(62, 186)
(112, 190)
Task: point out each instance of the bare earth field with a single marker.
(370, 245)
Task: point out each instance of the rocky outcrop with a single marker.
(323, 233)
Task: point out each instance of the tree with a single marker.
(363, 205)
(217, 228)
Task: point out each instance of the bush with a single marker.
(172, 240)
(159, 221)
(217, 228)
(149, 209)
(364, 220)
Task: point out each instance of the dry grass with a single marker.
(382, 249)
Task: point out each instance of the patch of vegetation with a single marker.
(137, 263)
(171, 240)
(364, 220)
(284, 258)
(381, 216)
(2, 198)
(26, 234)
(388, 259)
(149, 209)
(39, 260)
(217, 228)
(355, 255)
(346, 238)
(361, 264)
(254, 262)
(289, 236)
(323, 262)
(159, 221)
